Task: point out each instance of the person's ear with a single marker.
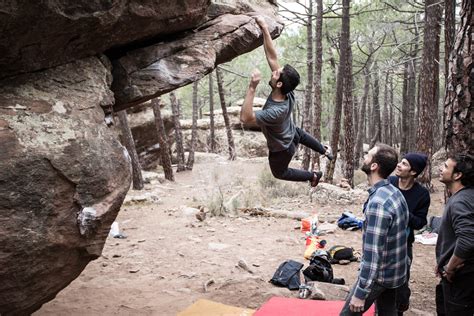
(457, 176)
(413, 173)
(279, 84)
(374, 166)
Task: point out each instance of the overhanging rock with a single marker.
(42, 34)
(149, 72)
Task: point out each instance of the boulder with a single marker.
(257, 102)
(63, 177)
(43, 34)
(326, 193)
(248, 143)
(63, 172)
(326, 291)
(437, 161)
(148, 72)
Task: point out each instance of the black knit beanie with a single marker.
(417, 161)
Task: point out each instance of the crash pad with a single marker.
(283, 306)
(209, 308)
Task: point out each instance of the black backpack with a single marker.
(288, 275)
(338, 253)
(320, 269)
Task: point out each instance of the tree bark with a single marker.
(309, 85)
(411, 106)
(449, 33)
(391, 136)
(317, 107)
(458, 106)
(344, 43)
(177, 132)
(376, 108)
(212, 134)
(192, 148)
(449, 38)
(385, 113)
(405, 115)
(132, 151)
(348, 121)
(230, 137)
(429, 85)
(362, 115)
(165, 152)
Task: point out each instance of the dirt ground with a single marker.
(168, 255)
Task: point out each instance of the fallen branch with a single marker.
(268, 212)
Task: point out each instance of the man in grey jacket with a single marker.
(455, 246)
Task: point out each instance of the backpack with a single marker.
(320, 269)
(288, 275)
(338, 253)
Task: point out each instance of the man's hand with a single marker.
(255, 78)
(448, 274)
(356, 305)
(261, 22)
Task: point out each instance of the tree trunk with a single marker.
(458, 106)
(413, 93)
(391, 136)
(211, 115)
(429, 85)
(177, 132)
(165, 152)
(449, 33)
(385, 114)
(348, 170)
(362, 122)
(344, 43)
(449, 38)
(317, 107)
(412, 106)
(230, 137)
(132, 151)
(376, 108)
(309, 85)
(190, 163)
(355, 115)
(405, 115)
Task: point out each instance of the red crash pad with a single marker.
(283, 306)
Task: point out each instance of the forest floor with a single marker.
(169, 255)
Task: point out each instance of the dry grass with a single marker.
(274, 188)
(267, 192)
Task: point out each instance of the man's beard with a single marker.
(366, 168)
(446, 181)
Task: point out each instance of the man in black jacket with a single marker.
(418, 200)
(455, 246)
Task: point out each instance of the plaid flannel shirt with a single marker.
(384, 258)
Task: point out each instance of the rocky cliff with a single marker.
(65, 66)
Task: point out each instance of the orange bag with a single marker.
(309, 224)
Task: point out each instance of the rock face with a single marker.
(149, 72)
(63, 172)
(43, 34)
(63, 178)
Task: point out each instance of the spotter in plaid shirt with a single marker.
(384, 258)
